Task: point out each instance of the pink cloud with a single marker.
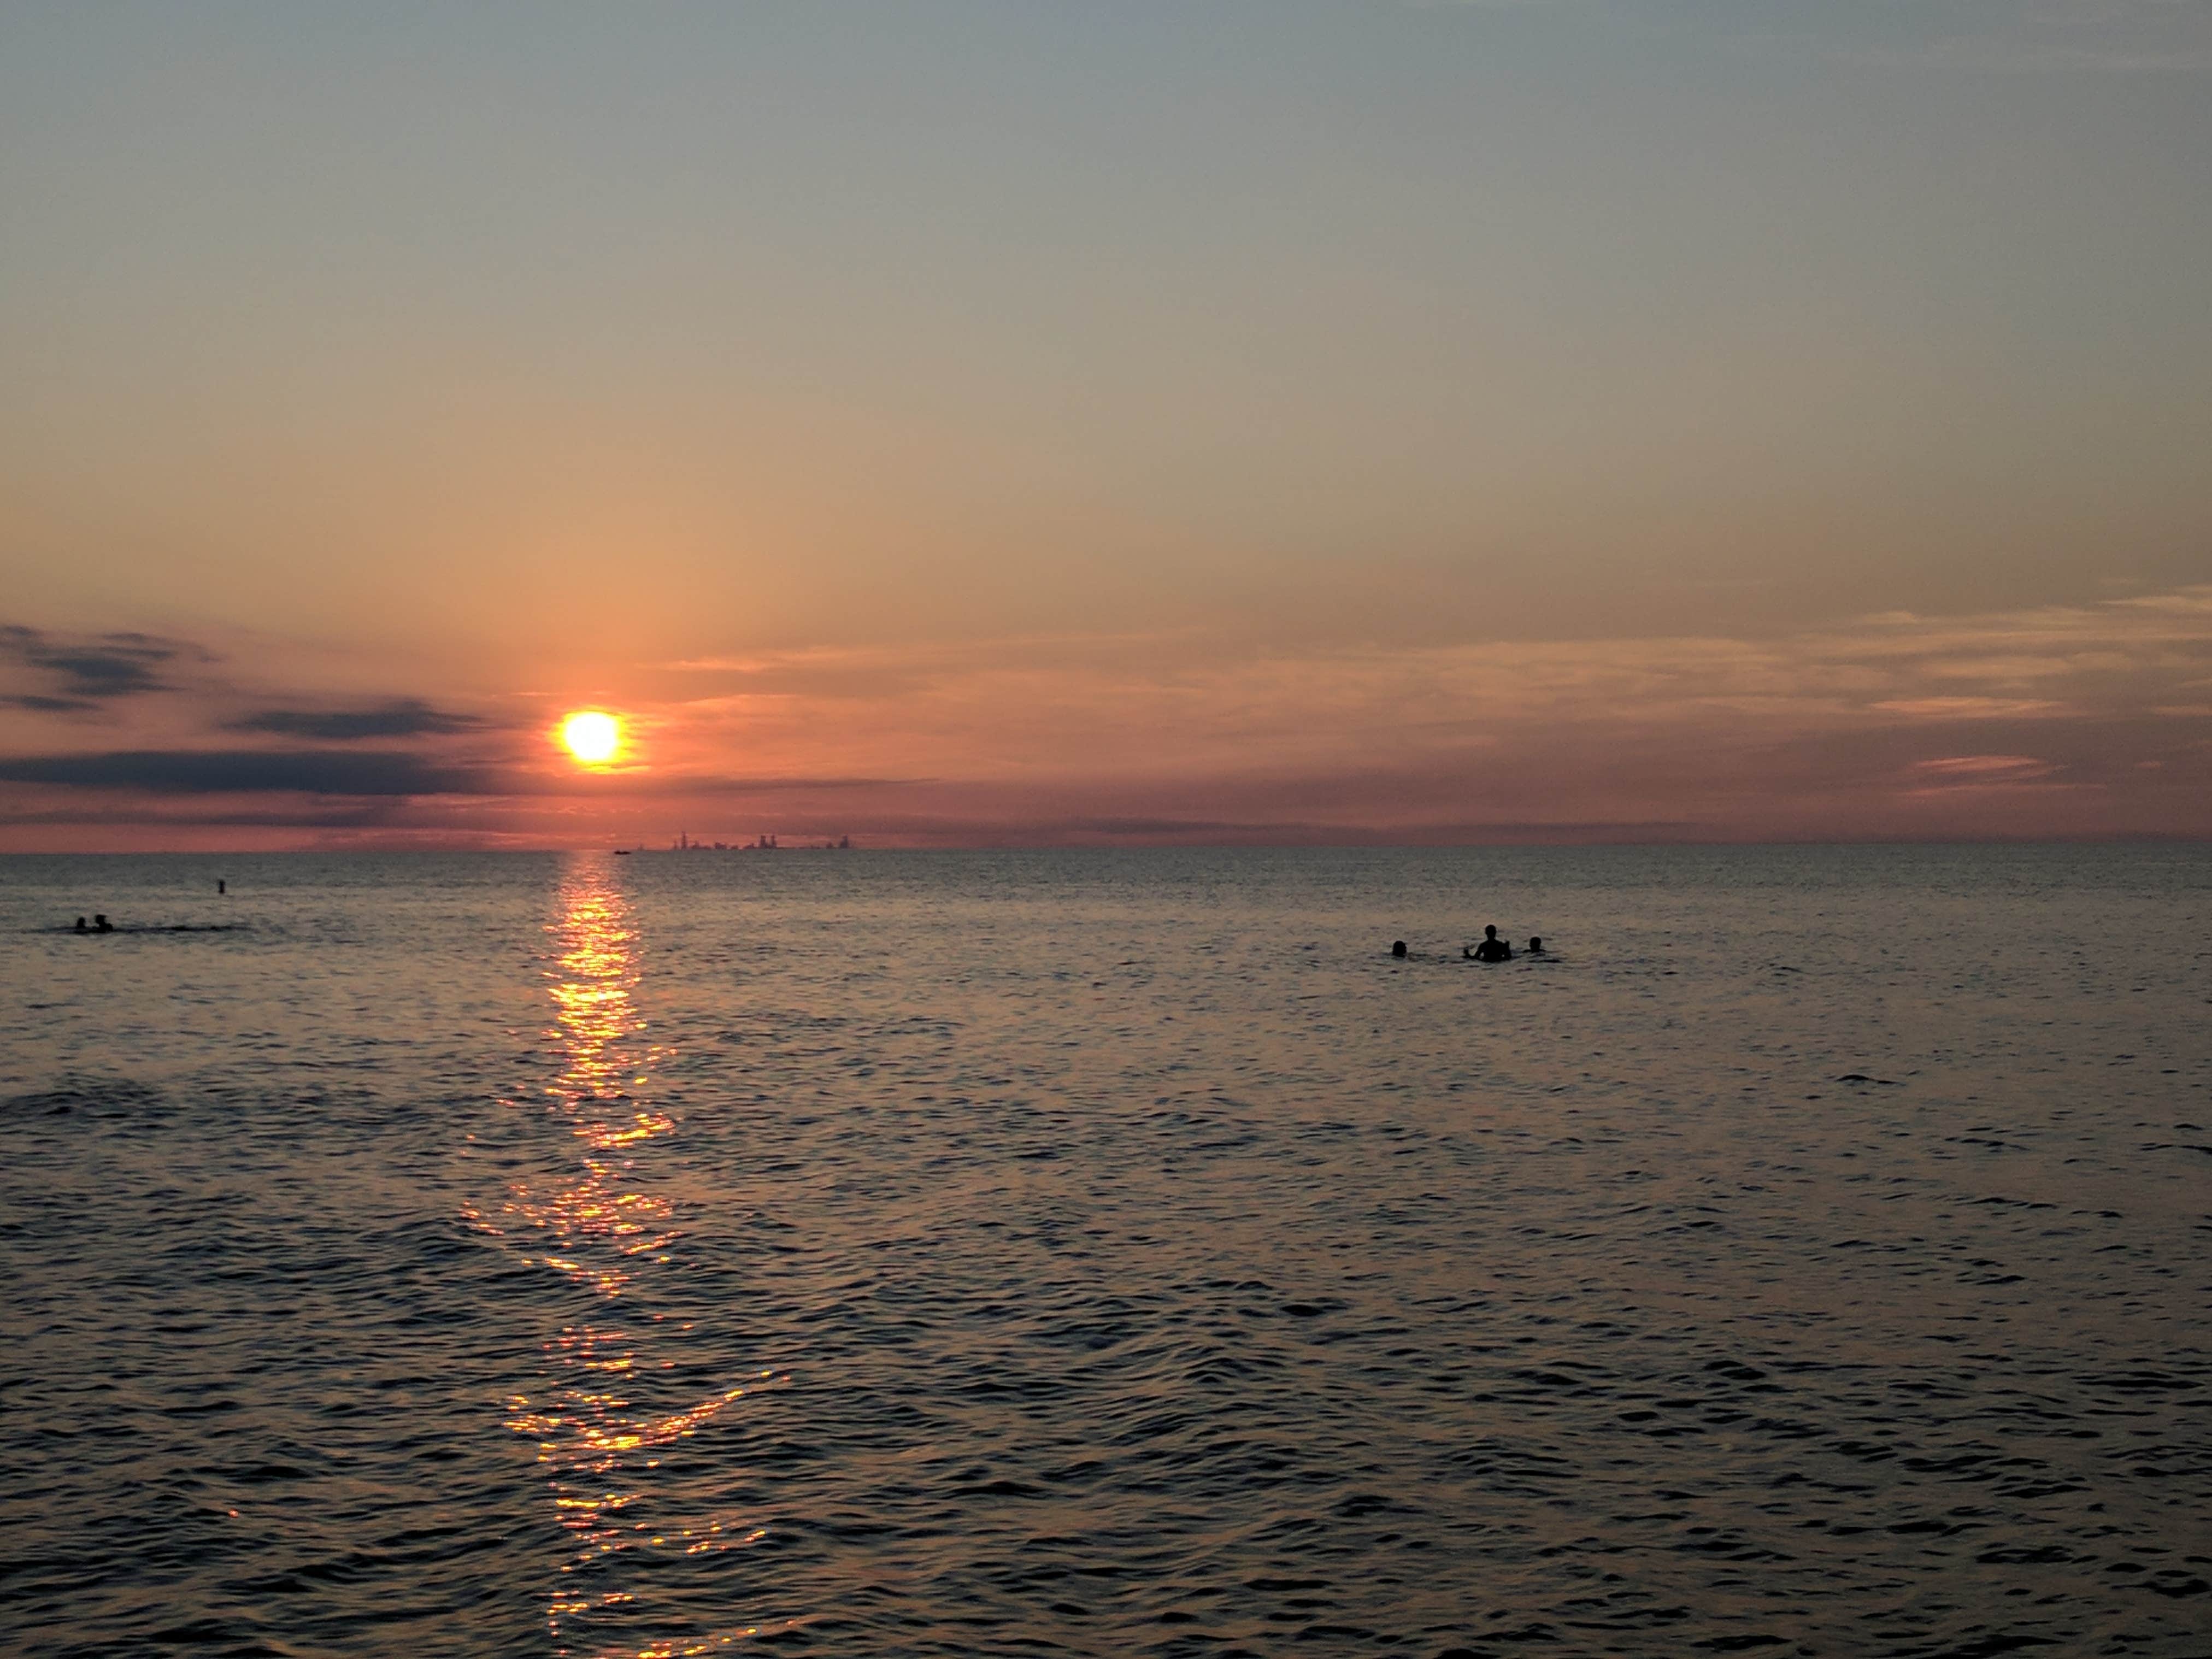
(1972, 709)
(1985, 766)
(1179, 736)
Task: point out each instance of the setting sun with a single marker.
(592, 736)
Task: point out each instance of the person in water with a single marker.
(1535, 947)
(1397, 947)
(81, 927)
(1492, 948)
(101, 924)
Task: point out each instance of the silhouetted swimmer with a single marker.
(1492, 948)
(1535, 947)
(221, 885)
(1397, 947)
(81, 927)
(101, 924)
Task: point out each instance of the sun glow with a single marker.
(591, 736)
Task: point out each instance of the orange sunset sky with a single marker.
(975, 424)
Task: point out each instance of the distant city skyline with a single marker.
(1255, 422)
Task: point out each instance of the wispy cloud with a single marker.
(1826, 727)
(1971, 708)
(1981, 775)
(1983, 766)
(2076, 718)
(80, 672)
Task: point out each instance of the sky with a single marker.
(1115, 422)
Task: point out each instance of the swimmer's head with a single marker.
(1397, 947)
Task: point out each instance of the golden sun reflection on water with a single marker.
(598, 1425)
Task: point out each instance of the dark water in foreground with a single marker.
(1089, 1254)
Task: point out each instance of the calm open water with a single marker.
(870, 1253)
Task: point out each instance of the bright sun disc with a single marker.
(591, 736)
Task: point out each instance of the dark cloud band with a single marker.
(244, 771)
(402, 717)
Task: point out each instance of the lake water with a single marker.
(873, 1254)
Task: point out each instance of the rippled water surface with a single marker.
(866, 1253)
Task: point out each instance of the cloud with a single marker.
(1947, 774)
(195, 811)
(1985, 766)
(1149, 706)
(401, 717)
(39, 705)
(252, 771)
(74, 674)
(83, 672)
(1180, 738)
(2038, 720)
(1971, 708)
